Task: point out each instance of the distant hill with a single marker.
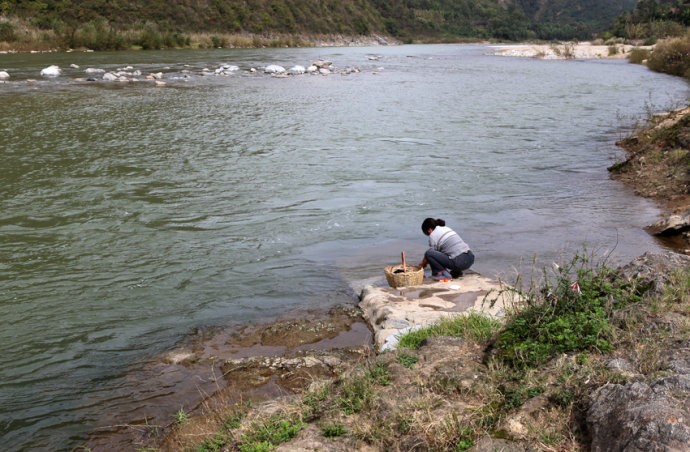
(409, 20)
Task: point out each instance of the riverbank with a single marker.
(658, 167)
(567, 50)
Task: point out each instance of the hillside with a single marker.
(408, 20)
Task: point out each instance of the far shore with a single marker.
(566, 50)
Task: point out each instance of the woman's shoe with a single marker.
(442, 276)
(456, 273)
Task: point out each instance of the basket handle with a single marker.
(403, 261)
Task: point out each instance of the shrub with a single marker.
(637, 55)
(568, 314)
(671, 57)
(7, 32)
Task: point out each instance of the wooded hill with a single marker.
(408, 20)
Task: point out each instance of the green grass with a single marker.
(407, 360)
(268, 433)
(474, 326)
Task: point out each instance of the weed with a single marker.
(380, 374)
(354, 395)
(181, 416)
(214, 443)
(406, 360)
(264, 435)
(404, 424)
(333, 430)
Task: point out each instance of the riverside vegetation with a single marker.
(474, 381)
(125, 24)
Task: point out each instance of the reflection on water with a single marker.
(132, 214)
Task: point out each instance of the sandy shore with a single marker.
(563, 51)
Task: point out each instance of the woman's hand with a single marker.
(422, 263)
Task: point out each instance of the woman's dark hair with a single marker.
(432, 223)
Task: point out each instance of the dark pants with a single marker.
(439, 261)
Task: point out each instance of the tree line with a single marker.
(118, 24)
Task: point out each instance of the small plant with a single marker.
(354, 395)
(181, 416)
(407, 360)
(380, 374)
(333, 430)
(562, 398)
(267, 434)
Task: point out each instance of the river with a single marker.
(132, 214)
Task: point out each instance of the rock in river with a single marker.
(51, 71)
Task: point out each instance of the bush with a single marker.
(637, 55)
(671, 57)
(568, 314)
(7, 32)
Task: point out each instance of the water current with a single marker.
(132, 214)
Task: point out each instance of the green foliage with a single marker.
(181, 416)
(407, 360)
(671, 57)
(474, 326)
(266, 434)
(333, 430)
(7, 32)
(379, 374)
(166, 24)
(637, 56)
(356, 393)
(653, 19)
(560, 318)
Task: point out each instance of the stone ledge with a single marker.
(391, 312)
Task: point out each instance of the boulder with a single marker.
(672, 225)
(109, 76)
(274, 69)
(51, 71)
(653, 269)
(226, 69)
(4, 75)
(93, 70)
(641, 417)
(296, 70)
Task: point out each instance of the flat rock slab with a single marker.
(392, 312)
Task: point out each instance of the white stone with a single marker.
(93, 70)
(109, 76)
(274, 69)
(4, 75)
(51, 71)
(296, 70)
(312, 69)
(74, 66)
(324, 71)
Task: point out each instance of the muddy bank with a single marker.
(216, 368)
(658, 167)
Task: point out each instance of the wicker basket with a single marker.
(412, 277)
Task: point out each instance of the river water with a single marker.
(132, 214)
